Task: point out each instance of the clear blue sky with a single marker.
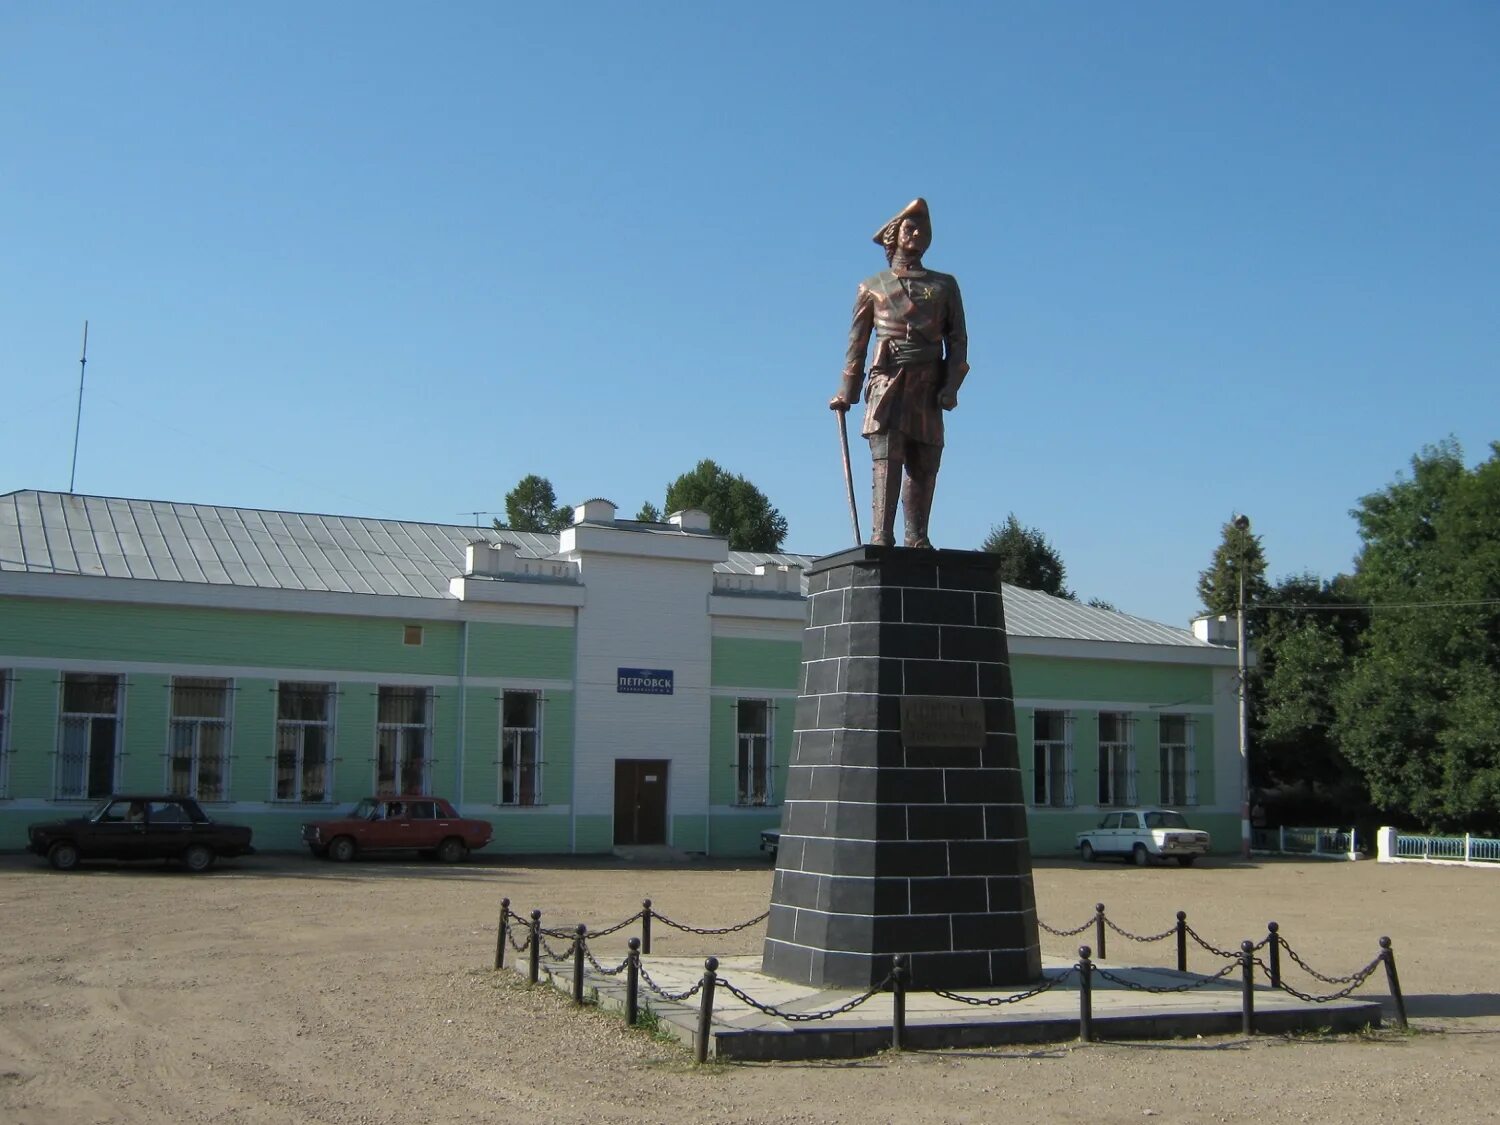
(385, 260)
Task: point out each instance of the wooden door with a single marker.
(640, 801)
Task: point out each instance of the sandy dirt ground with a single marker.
(279, 989)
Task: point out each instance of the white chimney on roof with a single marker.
(490, 560)
(597, 510)
(691, 519)
(1216, 629)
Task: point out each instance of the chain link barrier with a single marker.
(1013, 998)
(600, 969)
(711, 932)
(658, 990)
(552, 954)
(1214, 949)
(802, 1017)
(1310, 971)
(1134, 986)
(1065, 933)
(618, 926)
(1138, 937)
(1352, 981)
(1356, 979)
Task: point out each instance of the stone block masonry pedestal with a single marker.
(904, 819)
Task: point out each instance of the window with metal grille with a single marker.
(88, 735)
(1116, 759)
(198, 750)
(1052, 759)
(4, 732)
(403, 740)
(521, 748)
(304, 741)
(1179, 772)
(752, 760)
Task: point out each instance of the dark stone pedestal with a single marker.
(904, 824)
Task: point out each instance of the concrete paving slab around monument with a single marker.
(934, 1022)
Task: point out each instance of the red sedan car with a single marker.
(415, 823)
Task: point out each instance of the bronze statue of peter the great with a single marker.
(921, 357)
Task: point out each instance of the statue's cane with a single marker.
(848, 473)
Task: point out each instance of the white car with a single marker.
(1141, 835)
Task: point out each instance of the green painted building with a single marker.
(619, 683)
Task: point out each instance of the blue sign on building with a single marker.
(644, 681)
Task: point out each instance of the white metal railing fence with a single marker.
(1330, 843)
(1402, 847)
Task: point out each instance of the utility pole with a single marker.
(78, 419)
(1242, 524)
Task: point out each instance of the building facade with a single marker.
(619, 683)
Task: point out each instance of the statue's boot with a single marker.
(916, 502)
(885, 491)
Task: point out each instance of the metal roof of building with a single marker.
(164, 541)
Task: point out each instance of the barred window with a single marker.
(1179, 771)
(1116, 759)
(1052, 759)
(752, 763)
(198, 751)
(88, 735)
(403, 740)
(520, 748)
(304, 741)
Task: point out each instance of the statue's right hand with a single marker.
(839, 403)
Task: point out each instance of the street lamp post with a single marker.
(1242, 524)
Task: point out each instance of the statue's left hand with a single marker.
(947, 399)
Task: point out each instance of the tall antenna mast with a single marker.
(78, 420)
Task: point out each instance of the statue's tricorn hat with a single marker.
(917, 208)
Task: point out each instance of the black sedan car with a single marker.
(148, 826)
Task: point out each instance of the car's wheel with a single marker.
(1185, 860)
(198, 857)
(1086, 852)
(1139, 854)
(341, 849)
(452, 850)
(63, 855)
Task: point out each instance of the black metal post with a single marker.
(706, 1008)
(633, 982)
(898, 1002)
(1273, 936)
(1247, 972)
(578, 947)
(1182, 941)
(1389, 957)
(534, 968)
(1085, 996)
(645, 925)
(500, 936)
(1099, 930)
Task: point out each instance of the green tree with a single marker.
(735, 507)
(1305, 638)
(1419, 712)
(532, 506)
(1026, 558)
(1219, 585)
(649, 513)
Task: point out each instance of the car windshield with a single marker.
(1165, 820)
(98, 810)
(364, 810)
